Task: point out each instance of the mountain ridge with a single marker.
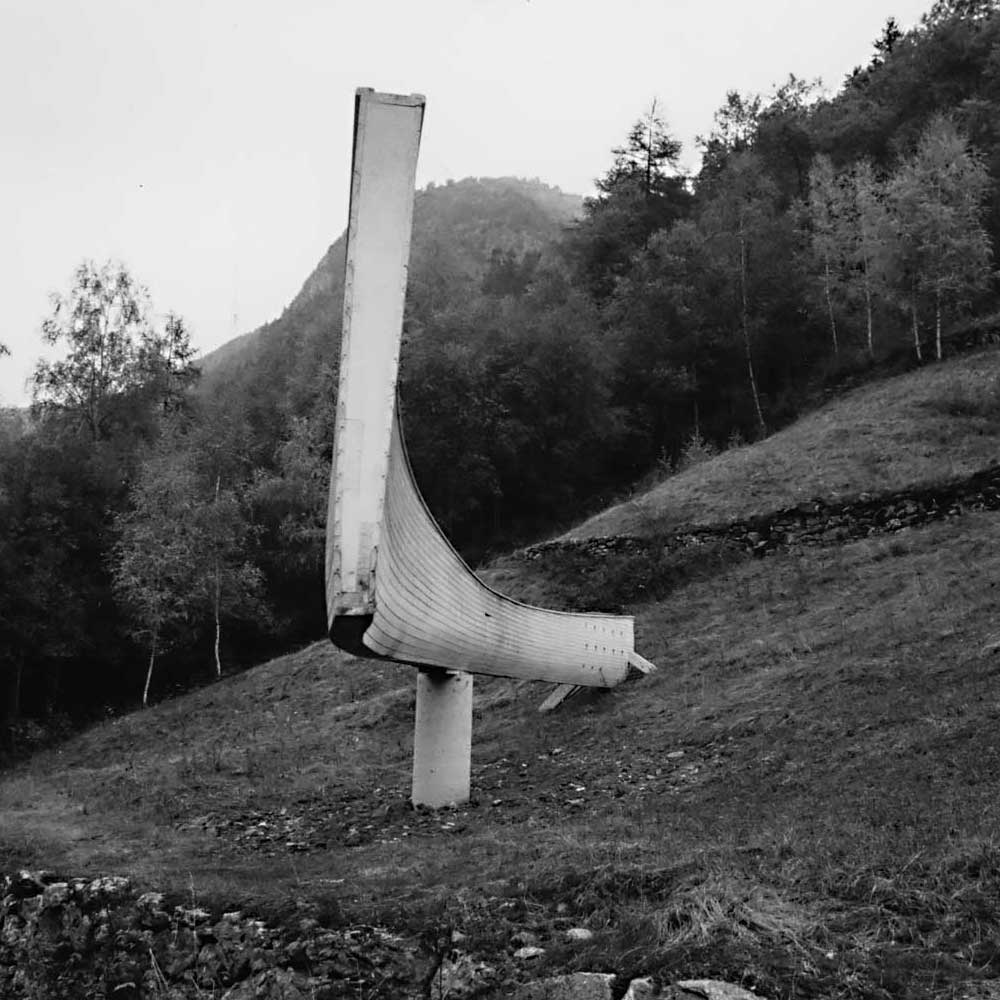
(513, 214)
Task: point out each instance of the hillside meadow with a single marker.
(802, 799)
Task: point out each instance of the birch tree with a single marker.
(827, 217)
(937, 200)
(154, 562)
(736, 222)
(227, 581)
(183, 554)
(868, 243)
(114, 354)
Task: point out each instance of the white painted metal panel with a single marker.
(430, 608)
(395, 586)
(386, 139)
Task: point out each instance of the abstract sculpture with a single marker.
(395, 587)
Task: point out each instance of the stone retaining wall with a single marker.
(814, 522)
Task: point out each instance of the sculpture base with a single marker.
(442, 738)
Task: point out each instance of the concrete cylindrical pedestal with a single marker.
(442, 738)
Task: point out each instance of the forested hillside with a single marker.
(157, 527)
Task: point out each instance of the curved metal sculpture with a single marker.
(395, 587)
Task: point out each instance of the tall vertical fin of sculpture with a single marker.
(395, 587)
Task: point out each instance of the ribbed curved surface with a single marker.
(430, 608)
(395, 587)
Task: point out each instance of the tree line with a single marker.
(157, 527)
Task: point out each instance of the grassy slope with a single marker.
(803, 798)
(919, 428)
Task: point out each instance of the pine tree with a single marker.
(642, 193)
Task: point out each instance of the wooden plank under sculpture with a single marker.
(395, 587)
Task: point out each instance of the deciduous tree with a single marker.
(736, 220)
(734, 132)
(226, 578)
(41, 611)
(156, 558)
(937, 201)
(828, 233)
(869, 241)
(662, 315)
(114, 356)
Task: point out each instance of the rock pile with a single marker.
(66, 938)
(71, 938)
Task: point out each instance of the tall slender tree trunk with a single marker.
(829, 306)
(916, 328)
(218, 588)
(218, 619)
(649, 152)
(937, 322)
(149, 671)
(745, 324)
(16, 699)
(868, 316)
(868, 304)
(12, 710)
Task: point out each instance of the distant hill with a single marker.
(456, 228)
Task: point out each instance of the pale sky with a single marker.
(206, 143)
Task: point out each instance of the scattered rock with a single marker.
(80, 938)
(579, 934)
(461, 976)
(984, 989)
(576, 986)
(24, 884)
(529, 951)
(711, 989)
(106, 890)
(642, 989)
(56, 894)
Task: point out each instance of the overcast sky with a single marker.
(206, 143)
